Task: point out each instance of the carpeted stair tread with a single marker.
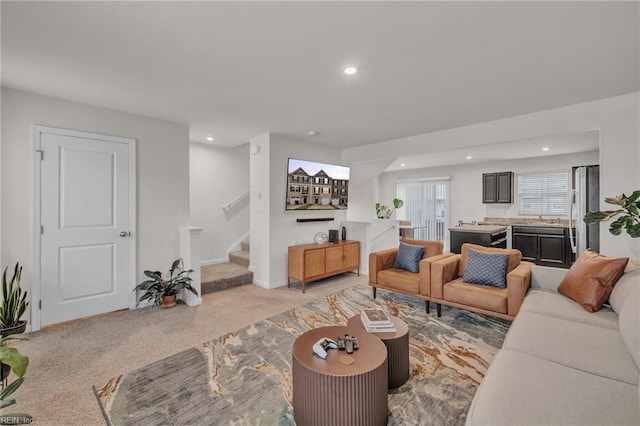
(240, 257)
(244, 245)
(222, 276)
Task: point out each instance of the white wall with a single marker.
(466, 182)
(272, 228)
(162, 174)
(217, 175)
(617, 119)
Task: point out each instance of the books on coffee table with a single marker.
(377, 321)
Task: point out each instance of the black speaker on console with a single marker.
(333, 235)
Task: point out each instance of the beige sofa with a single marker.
(561, 365)
(449, 288)
(383, 275)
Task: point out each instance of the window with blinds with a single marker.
(425, 206)
(543, 194)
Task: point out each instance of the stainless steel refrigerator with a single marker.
(586, 198)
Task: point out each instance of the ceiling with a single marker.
(234, 70)
(538, 147)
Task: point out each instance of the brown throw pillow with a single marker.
(591, 279)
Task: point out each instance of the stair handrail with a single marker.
(235, 200)
(384, 231)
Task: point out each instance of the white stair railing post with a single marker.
(190, 253)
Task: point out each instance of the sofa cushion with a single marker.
(623, 287)
(399, 279)
(556, 305)
(486, 268)
(408, 257)
(520, 389)
(514, 259)
(596, 350)
(629, 320)
(479, 296)
(431, 248)
(591, 279)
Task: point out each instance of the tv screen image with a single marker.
(316, 186)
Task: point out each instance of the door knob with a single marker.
(125, 234)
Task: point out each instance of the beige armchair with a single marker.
(383, 275)
(449, 288)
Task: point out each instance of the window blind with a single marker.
(543, 193)
(425, 204)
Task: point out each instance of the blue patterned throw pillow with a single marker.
(486, 268)
(408, 257)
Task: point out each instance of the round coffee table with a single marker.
(325, 391)
(397, 348)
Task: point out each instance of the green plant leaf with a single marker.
(9, 390)
(13, 358)
(617, 225)
(634, 196)
(634, 230)
(593, 217)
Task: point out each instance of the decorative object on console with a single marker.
(320, 238)
(333, 235)
(486, 268)
(629, 211)
(408, 257)
(344, 233)
(384, 212)
(591, 278)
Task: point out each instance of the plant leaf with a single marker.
(634, 230)
(9, 390)
(593, 217)
(15, 360)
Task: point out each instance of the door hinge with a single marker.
(40, 304)
(41, 152)
(41, 229)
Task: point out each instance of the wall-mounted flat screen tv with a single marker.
(316, 186)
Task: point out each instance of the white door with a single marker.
(86, 246)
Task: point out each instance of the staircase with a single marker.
(222, 276)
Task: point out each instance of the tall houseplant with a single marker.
(628, 214)
(164, 291)
(14, 303)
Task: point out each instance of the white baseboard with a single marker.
(214, 261)
(269, 286)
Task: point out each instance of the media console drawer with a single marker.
(310, 262)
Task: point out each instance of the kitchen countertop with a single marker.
(489, 229)
(535, 224)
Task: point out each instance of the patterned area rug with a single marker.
(244, 377)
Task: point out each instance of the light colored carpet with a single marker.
(244, 377)
(67, 360)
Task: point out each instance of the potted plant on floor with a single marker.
(14, 304)
(164, 291)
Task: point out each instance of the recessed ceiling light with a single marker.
(468, 157)
(210, 138)
(350, 70)
(313, 133)
(402, 164)
(546, 148)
